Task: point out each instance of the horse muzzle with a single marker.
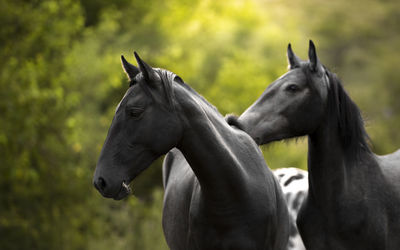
(108, 191)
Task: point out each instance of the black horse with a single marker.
(354, 195)
(227, 198)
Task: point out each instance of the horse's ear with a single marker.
(148, 72)
(294, 61)
(315, 65)
(130, 70)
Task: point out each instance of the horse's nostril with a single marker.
(100, 184)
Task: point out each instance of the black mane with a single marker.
(168, 77)
(345, 112)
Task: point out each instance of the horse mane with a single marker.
(347, 117)
(168, 77)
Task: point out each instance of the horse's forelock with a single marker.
(318, 86)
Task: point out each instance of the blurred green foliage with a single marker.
(60, 80)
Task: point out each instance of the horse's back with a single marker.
(390, 195)
(390, 165)
(179, 181)
(391, 159)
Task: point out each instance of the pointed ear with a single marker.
(294, 61)
(148, 72)
(130, 70)
(312, 55)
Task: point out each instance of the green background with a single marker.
(61, 79)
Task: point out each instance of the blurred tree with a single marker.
(37, 201)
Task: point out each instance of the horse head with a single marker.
(291, 106)
(144, 127)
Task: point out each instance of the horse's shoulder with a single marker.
(173, 157)
(246, 142)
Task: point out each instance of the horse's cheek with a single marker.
(169, 134)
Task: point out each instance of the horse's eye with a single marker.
(292, 88)
(135, 112)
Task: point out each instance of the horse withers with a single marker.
(219, 193)
(354, 195)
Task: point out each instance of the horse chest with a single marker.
(220, 238)
(348, 225)
(225, 228)
(348, 217)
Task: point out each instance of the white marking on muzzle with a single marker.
(126, 187)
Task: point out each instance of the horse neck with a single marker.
(334, 173)
(207, 146)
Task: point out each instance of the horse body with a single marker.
(222, 193)
(351, 203)
(353, 200)
(219, 194)
(390, 171)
